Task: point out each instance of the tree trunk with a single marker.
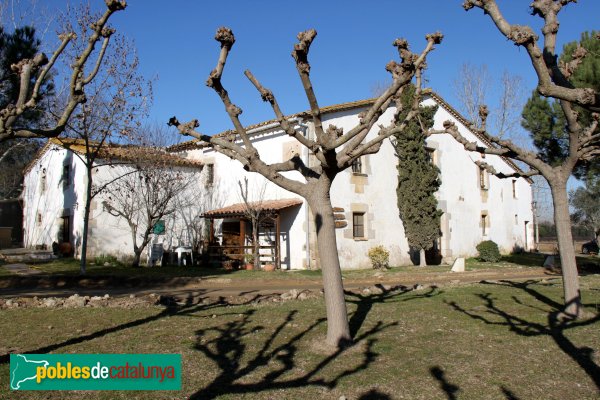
(255, 243)
(570, 274)
(137, 253)
(86, 219)
(422, 260)
(338, 330)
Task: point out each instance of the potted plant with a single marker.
(249, 258)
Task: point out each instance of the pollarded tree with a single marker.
(332, 149)
(418, 180)
(544, 118)
(583, 140)
(34, 71)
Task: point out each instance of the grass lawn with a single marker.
(71, 267)
(483, 341)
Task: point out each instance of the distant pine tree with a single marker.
(418, 180)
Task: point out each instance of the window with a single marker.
(431, 155)
(516, 219)
(483, 178)
(43, 181)
(210, 174)
(66, 176)
(357, 166)
(358, 225)
(514, 189)
(39, 219)
(484, 224)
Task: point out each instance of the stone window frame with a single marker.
(361, 215)
(210, 174)
(483, 178)
(66, 176)
(43, 181)
(357, 166)
(484, 223)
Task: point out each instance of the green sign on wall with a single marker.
(159, 227)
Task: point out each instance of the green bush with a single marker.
(380, 257)
(488, 251)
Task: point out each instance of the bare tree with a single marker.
(253, 210)
(471, 88)
(117, 98)
(40, 66)
(583, 141)
(144, 197)
(333, 150)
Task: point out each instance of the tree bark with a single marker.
(338, 329)
(136, 258)
(422, 260)
(256, 250)
(86, 220)
(568, 263)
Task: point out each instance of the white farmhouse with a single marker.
(54, 198)
(476, 206)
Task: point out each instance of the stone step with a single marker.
(13, 256)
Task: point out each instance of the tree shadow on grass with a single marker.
(364, 303)
(171, 309)
(555, 327)
(451, 389)
(273, 365)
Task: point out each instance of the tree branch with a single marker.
(268, 96)
(551, 80)
(9, 115)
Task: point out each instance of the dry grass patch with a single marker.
(483, 341)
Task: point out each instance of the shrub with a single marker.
(380, 257)
(488, 251)
(105, 258)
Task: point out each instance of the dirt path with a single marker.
(215, 287)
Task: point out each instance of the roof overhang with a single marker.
(239, 210)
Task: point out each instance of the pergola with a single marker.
(269, 209)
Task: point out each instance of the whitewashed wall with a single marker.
(227, 173)
(460, 197)
(374, 193)
(107, 234)
(112, 235)
(52, 202)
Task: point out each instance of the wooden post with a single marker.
(278, 241)
(242, 237)
(212, 232)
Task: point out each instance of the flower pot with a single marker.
(269, 267)
(249, 267)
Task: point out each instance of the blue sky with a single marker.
(175, 43)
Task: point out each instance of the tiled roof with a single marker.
(118, 152)
(194, 144)
(238, 209)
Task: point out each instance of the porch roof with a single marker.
(238, 209)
